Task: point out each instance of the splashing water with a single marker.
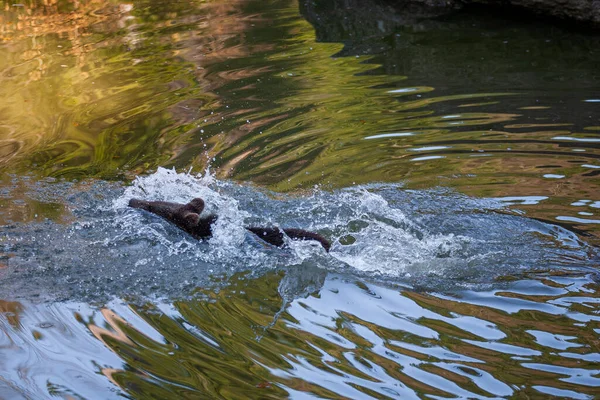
(431, 239)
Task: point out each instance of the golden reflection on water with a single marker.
(74, 93)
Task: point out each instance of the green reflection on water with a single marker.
(156, 86)
(114, 90)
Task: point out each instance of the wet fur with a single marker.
(187, 217)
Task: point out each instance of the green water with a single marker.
(491, 108)
(452, 160)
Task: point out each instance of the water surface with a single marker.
(451, 160)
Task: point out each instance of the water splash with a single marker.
(433, 239)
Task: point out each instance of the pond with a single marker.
(452, 160)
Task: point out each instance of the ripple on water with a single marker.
(433, 239)
(342, 337)
(418, 297)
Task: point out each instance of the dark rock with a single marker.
(587, 11)
(387, 13)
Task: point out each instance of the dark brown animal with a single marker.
(187, 217)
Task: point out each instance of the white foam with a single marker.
(169, 185)
(390, 243)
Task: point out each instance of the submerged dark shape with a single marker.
(187, 217)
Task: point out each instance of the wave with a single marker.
(433, 239)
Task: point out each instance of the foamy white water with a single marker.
(433, 239)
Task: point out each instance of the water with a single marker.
(450, 160)
(346, 338)
(416, 295)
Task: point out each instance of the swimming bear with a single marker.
(187, 217)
